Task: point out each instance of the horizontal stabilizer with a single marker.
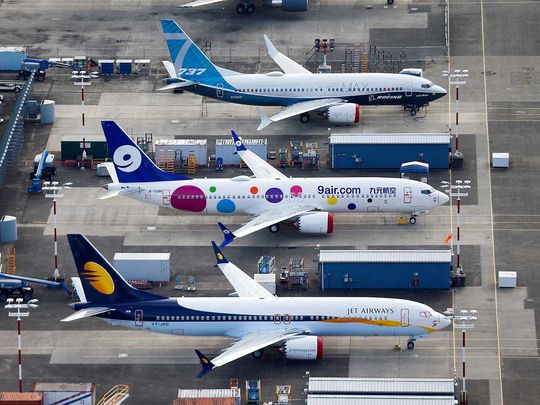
(198, 3)
(86, 313)
(118, 193)
(177, 85)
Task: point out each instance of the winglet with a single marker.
(265, 121)
(219, 255)
(227, 234)
(238, 142)
(206, 364)
(272, 51)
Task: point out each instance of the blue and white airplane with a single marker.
(268, 196)
(255, 318)
(247, 7)
(336, 96)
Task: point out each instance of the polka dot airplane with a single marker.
(268, 196)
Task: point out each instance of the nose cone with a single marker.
(443, 198)
(444, 321)
(438, 92)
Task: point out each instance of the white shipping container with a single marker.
(197, 146)
(226, 150)
(507, 279)
(66, 393)
(143, 266)
(268, 281)
(11, 57)
(500, 159)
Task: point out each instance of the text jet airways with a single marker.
(268, 196)
(255, 318)
(337, 96)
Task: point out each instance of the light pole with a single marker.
(465, 320)
(54, 187)
(81, 75)
(460, 186)
(457, 77)
(18, 305)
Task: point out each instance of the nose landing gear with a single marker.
(410, 343)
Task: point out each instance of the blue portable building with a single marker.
(125, 66)
(106, 66)
(12, 57)
(385, 269)
(389, 151)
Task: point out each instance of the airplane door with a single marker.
(404, 317)
(139, 317)
(407, 195)
(408, 90)
(219, 90)
(166, 197)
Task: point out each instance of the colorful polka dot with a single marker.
(296, 191)
(226, 206)
(274, 195)
(351, 206)
(253, 190)
(332, 200)
(188, 198)
(213, 189)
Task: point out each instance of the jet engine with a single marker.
(288, 5)
(318, 222)
(304, 348)
(347, 113)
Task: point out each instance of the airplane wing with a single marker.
(243, 284)
(260, 167)
(198, 3)
(85, 313)
(287, 64)
(247, 344)
(295, 109)
(263, 220)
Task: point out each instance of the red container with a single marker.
(21, 398)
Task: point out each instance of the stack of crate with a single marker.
(192, 163)
(165, 160)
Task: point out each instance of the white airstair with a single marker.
(115, 396)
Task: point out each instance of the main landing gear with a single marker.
(257, 354)
(247, 8)
(412, 108)
(412, 219)
(410, 343)
(390, 2)
(304, 118)
(274, 228)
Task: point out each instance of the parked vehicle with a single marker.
(10, 86)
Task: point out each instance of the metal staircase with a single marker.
(115, 396)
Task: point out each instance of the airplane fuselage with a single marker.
(246, 195)
(279, 89)
(236, 317)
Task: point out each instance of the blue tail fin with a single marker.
(228, 236)
(206, 364)
(130, 162)
(189, 61)
(100, 281)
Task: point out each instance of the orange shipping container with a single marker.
(21, 398)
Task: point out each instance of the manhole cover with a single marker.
(489, 73)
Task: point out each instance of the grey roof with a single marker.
(380, 385)
(388, 256)
(379, 400)
(394, 138)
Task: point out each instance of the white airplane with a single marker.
(255, 318)
(247, 7)
(336, 96)
(268, 196)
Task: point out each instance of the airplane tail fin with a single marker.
(228, 236)
(206, 364)
(99, 280)
(130, 163)
(190, 63)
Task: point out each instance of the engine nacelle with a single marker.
(317, 222)
(288, 5)
(347, 114)
(304, 348)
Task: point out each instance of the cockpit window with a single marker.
(426, 85)
(426, 192)
(425, 314)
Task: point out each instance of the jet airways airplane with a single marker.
(269, 196)
(337, 96)
(255, 318)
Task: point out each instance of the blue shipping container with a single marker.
(11, 57)
(389, 151)
(412, 269)
(106, 67)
